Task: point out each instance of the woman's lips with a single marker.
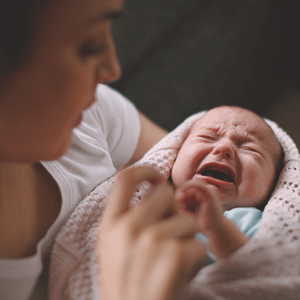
(78, 120)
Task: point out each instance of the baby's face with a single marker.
(232, 149)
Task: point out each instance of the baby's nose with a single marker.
(225, 149)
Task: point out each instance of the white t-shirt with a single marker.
(105, 141)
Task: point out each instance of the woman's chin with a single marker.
(50, 152)
(58, 152)
(29, 149)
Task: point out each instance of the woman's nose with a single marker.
(109, 69)
(225, 149)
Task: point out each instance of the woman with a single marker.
(53, 55)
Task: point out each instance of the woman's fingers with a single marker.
(127, 181)
(195, 190)
(168, 264)
(179, 264)
(153, 208)
(196, 183)
(178, 231)
(195, 257)
(148, 252)
(181, 225)
(190, 195)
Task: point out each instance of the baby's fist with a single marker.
(202, 199)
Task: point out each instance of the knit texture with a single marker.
(266, 267)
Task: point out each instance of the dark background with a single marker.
(182, 56)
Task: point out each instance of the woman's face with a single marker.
(41, 102)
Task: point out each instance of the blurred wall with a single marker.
(180, 56)
(286, 110)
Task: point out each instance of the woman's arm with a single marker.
(148, 252)
(151, 133)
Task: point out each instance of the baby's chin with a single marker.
(228, 202)
(226, 205)
(227, 198)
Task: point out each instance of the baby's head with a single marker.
(235, 150)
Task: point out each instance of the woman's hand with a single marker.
(148, 252)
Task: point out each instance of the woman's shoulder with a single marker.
(101, 144)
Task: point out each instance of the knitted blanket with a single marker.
(266, 267)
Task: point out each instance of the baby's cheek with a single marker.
(177, 174)
(258, 188)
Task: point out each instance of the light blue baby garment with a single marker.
(246, 218)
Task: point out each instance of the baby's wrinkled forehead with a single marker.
(246, 125)
(243, 122)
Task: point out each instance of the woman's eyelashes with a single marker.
(89, 50)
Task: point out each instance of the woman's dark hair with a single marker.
(17, 21)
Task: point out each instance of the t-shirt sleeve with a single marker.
(120, 123)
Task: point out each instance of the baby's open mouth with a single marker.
(218, 174)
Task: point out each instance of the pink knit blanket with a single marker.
(267, 267)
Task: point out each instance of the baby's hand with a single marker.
(203, 200)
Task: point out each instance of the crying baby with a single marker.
(224, 173)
